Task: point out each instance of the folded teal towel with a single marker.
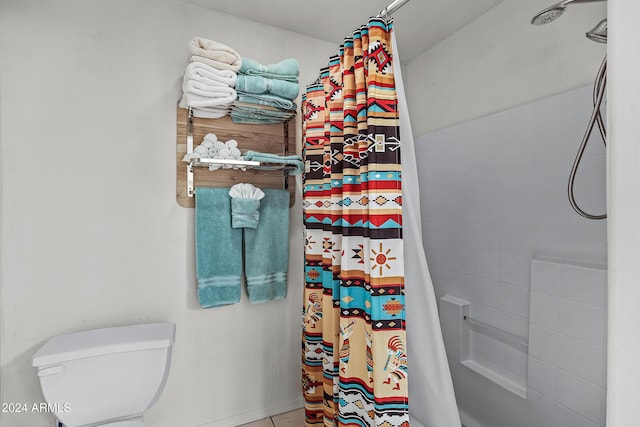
(218, 249)
(243, 119)
(274, 158)
(252, 113)
(266, 249)
(287, 69)
(262, 85)
(244, 116)
(267, 99)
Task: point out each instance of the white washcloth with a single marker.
(214, 53)
(246, 191)
(208, 75)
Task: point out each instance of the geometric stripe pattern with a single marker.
(354, 358)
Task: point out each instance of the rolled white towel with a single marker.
(207, 144)
(218, 144)
(223, 153)
(211, 137)
(200, 150)
(207, 74)
(235, 153)
(232, 143)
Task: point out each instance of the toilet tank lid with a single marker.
(96, 342)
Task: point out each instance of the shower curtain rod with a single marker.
(387, 11)
(392, 8)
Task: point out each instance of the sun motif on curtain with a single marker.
(354, 343)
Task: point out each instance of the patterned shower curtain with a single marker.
(354, 344)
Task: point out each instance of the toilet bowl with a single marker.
(105, 377)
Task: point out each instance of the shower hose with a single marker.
(596, 118)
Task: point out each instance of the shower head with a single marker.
(550, 14)
(553, 12)
(599, 32)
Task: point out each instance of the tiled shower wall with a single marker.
(494, 196)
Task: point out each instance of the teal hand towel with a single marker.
(266, 249)
(295, 161)
(287, 69)
(262, 85)
(218, 249)
(244, 213)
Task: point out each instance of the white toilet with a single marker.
(105, 377)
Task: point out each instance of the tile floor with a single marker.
(288, 419)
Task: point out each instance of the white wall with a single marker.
(500, 61)
(624, 211)
(92, 234)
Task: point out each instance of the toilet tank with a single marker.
(105, 374)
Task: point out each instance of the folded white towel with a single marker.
(198, 101)
(209, 75)
(212, 91)
(214, 53)
(209, 112)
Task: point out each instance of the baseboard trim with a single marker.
(256, 414)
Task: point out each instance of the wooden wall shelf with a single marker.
(279, 138)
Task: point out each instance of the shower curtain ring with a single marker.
(384, 14)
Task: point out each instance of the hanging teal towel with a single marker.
(295, 161)
(218, 249)
(266, 249)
